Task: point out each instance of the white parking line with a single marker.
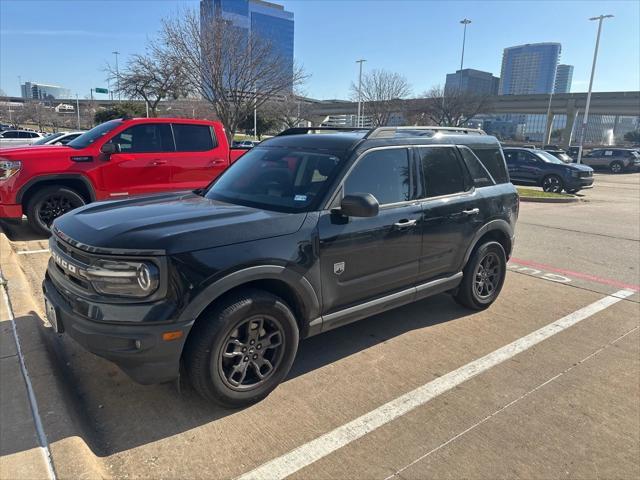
(29, 252)
(289, 463)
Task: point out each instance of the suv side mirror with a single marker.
(359, 205)
(110, 148)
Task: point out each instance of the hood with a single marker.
(174, 223)
(579, 166)
(35, 151)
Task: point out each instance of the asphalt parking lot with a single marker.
(544, 384)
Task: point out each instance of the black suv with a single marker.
(308, 231)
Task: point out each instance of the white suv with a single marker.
(18, 138)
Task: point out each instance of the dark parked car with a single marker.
(303, 234)
(617, 160)
(537, 167)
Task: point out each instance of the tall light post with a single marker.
(361, 61)
(585, 117)
(549, 123)
(78, 110)
(116, 53)
(465, 22)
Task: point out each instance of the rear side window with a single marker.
(385, 174)
(193, 138)
(480, 176)
(493, 161)
(145, 138)
(442, 170)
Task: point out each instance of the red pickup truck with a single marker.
(116, 159)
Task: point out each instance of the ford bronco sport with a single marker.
(308, 231)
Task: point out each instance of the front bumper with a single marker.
(10, 211)
(139, 350)
(579, 183)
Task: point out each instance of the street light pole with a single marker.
(585, 117)
(361, 61)
(549, 124)
(116, 53)
(465, 22)
(78, 110)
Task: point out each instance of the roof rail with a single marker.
(390, 132)
(304, 130)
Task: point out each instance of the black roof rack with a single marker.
(304, 130)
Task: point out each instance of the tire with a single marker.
(552, 184)
(572, 191)
(469, 294)
(226, 339)
(48, 204)
(616, 167)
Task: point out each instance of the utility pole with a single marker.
(585, 118)
(358, 120)
(549, 123)
(465, 22)
(116, 53)
(78, 110)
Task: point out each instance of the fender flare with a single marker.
(500, 225)
(304, 292)
(63, 176)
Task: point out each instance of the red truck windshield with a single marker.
(86, 139)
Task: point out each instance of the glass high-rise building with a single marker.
(472, 81)
(268, 20)
(564, 76)
(43, 91)
(529, 68)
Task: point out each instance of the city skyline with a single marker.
(328, 50)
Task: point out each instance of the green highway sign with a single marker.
(101, 90)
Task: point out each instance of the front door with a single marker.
(143, 164)
(363, 258)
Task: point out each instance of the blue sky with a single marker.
(69, 42)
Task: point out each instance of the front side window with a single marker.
(193, 138)
(385, 174)
(442, 171)
(281, 179)
(145, 138)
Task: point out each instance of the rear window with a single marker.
(442, 171)
(480, 175)
(193, 138)
(493, 161)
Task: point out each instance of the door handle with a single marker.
(405, 223)
(473, 211)
(215, 163)
(156, 163)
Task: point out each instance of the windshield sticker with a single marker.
(300, 198)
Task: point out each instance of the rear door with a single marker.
(513, 164)
(531, 168)
(200, 156)
(451, 208)
(143, 164)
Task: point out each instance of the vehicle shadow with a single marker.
(20, 231)
(113, 414)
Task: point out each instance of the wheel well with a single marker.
(276, 287)
(73, 183)
(498, 236)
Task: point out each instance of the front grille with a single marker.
(586, 174)
(70, 264)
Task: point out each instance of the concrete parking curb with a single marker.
(549, 200)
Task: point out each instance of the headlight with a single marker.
(124, 279)
(9, 168)
(575, 174)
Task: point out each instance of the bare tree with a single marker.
(287, 111)
(382, 94)
(153, 77)
(450, 109)
(233, 70)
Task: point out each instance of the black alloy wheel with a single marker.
(616, 167)
(552, 184)
(483, 276)
(50, 203)
(253, 351)
(487, 276)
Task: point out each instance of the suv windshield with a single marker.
(86, 139)
(547, 157)
(48, 138)
(282, 179)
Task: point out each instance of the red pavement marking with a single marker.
(571, 273)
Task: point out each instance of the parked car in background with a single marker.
(529, 166)
(617, 160)
(116, 159)
(5, 126)
(60, 138)
(17, 138)
(305, 233)
(245, 143)
(573, 152)
(560, 154)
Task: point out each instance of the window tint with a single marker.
(385, 174)
(145, 138)
(193, 138)
(491, 158)
(443, 173)
(10, 135)
(481, 177)
(511, 156)
(24, 135)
